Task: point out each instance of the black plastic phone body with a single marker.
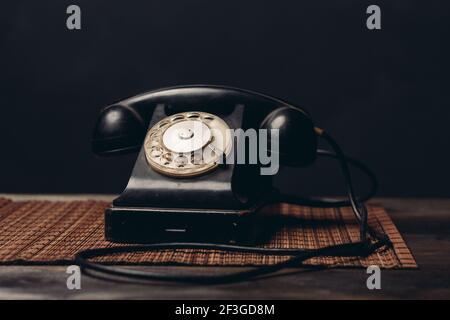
(218, 206)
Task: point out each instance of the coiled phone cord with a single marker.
(364, 247)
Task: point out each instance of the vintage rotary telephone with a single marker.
(183, 193)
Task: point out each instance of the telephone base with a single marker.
(152, 225)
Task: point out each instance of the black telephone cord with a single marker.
(333, 203)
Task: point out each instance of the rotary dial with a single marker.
(187, 144)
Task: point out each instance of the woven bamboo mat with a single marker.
(51, 232)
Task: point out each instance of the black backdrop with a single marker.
(384, 94)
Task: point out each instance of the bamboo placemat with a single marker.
(51, 232)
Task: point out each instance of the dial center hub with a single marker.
(186, 136)
(185, 133)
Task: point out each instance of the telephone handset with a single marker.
(188, 189)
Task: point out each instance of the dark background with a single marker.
(384, 94)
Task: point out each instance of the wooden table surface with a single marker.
(424, 223)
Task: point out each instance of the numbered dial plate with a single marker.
(187, 144)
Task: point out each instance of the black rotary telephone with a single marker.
(188, 189)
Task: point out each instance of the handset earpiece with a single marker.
(119, 130)
(297, 138)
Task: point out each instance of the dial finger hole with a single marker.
(156, 134)
(176, 118)
(163, 124)
(167, 156)
(155, 153)
(181, 161)
(193, 116)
